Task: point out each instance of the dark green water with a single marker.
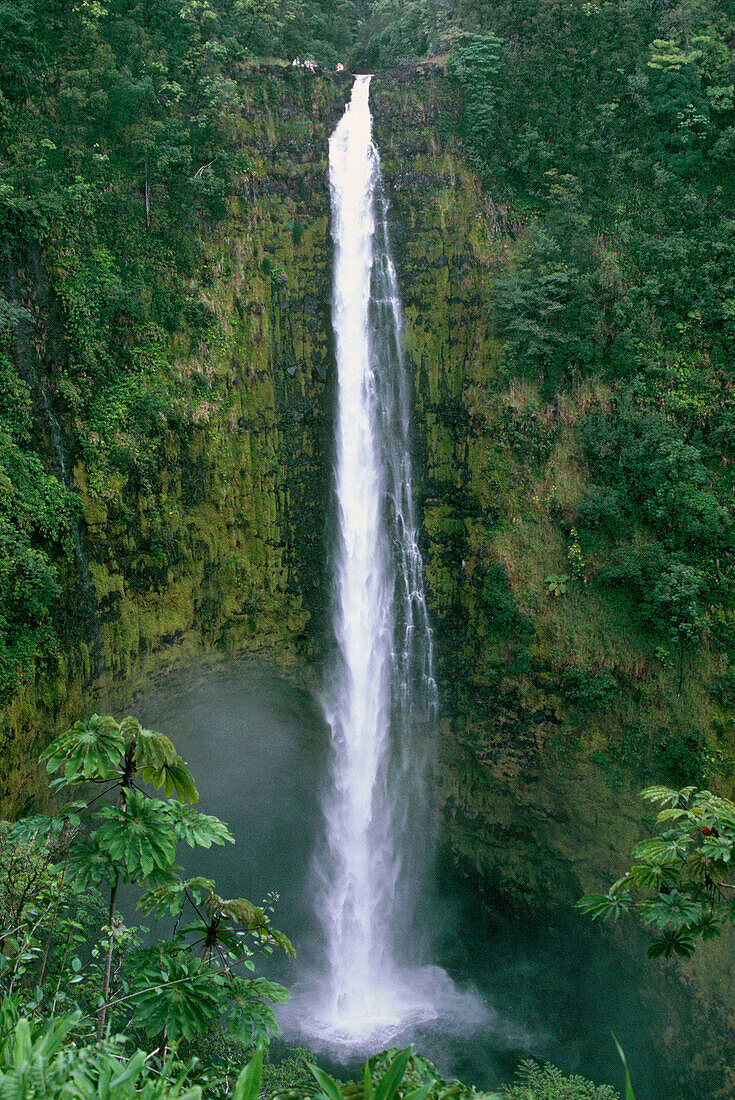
(257, 747)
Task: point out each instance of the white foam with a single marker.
(414, 999)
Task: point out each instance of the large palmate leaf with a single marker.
(661, 851)
(171, 895)
(175, 779)
(48, 829)
(672, 942)
(719, 849)
(149, 748)
(196, 829)
(138, 837)
(157, 762)
(650, 875)
(175, 991)
(666, 796)
(250, 1016)
(91, 864)
(610, 906)
(672, 910)
(89, 750)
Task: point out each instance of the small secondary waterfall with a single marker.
(383, 688)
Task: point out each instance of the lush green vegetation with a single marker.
(601, 134)
(680, 883)
(60, 873)
(35, 515)
(120, 147)
(91, 1008)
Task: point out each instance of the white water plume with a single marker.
(382, 697)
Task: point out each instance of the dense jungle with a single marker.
(560, 189)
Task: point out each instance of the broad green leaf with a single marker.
(44, 827)
(708, 928)
(196, 829)
(718, 848)
(393, 1076)
(420, 1093)
(174, 778)
(628, 1087)
(650, 875)
(328, 1085)
(89, 863)
(248, 1083)
(250, 1016)
(171, 895)
(665, 795)
(671, 943)
(138, 837)
(91, 750)
(662, 851)
(150, 748)
(672, 910)
(130, 1072)
(609, 906)
(171, 990)
(673, 814)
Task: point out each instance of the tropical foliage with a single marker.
(680, 884)
(52, 867)
(87, 1009)
(37, 1062)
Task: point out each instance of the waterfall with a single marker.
(383, 687)
(373, 986)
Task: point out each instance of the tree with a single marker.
(125, 834)
(682, 882)
(474, 65)
(676, 597)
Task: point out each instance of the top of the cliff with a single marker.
(405, 71)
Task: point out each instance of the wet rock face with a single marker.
(225, 553)
(228, 554)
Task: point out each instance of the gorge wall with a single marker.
(223, 551)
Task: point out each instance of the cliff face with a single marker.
(549, 693)
(523, 790)
(225, 551)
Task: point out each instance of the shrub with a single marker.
(589, 689)
(549, 1083)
